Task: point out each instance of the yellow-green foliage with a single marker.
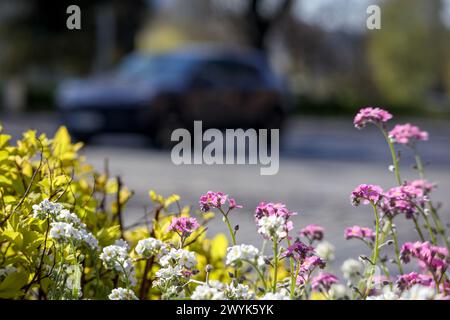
(37, 168)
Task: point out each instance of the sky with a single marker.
(332, 15)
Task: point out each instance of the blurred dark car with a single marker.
(155, 94)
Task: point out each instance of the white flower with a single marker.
(89, 239)
(213, 291)
(282, 294)
(66, 216)
(386, 294)
(46, 209)
(352, 269)
(325, 250)
(241, 252)
(64, 231)
(122, 294)
(180, 257)
(418, 292)
(149, 247)
(272, 226)
(167, 274)
(239, 292)
(114, 257)
(122, 243)
(339, 292)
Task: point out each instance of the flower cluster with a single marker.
(150, 247)
(243, 252)
(122, 294)
(177, 267)
(115, 257)
(184, 226)
(66, 227)
(407, 281)
(407, 134)
(367, 193)
(430, 258)
(216, 200)
(406, 199)
(46, 209)
(272, 220)
(312, 232)
(357, 232)
(352, 270)
(371, 115)
(214, 290)
(324, 281)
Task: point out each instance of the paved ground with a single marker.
(322, 161)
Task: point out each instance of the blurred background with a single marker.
(147, 66)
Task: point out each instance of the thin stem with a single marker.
(434, 215)
(292, 267)
(427, 223)
(419, 163)
(395, 161)
(396, 249)
(230, 229)
(438, 224)
(377, 235)
(275, 264)
(261, 276)
(418, 229)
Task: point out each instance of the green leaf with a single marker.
(10, 287)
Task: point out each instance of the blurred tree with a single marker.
(37, 36)
(408, 54)
(38, 48)
(257, 17)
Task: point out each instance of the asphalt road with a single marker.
(322, 161)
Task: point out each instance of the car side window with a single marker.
(226, 74)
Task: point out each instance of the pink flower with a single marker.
(275, 212)
(313, 232)
(371, 115)
(406, 281)
(359, 233)
(216, 200)
(311, 263)
(298, 250)
(270, 209)
(324, 281)
(430, 258)
(423, 186)
(405, 199)
(307, 268)
(183, 225)
(367, 193)
(407, 134)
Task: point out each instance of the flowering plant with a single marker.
(58, 240)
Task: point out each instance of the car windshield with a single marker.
(153, 67)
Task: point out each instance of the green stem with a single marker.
(396, 249)
(292, 268)
(261, 276)
(230, 229)
(376, 248)
(419, 163)
(434, 215)
(427, 223)
(438, 224)
(422, 238)
(275, 264)
(393, 155)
